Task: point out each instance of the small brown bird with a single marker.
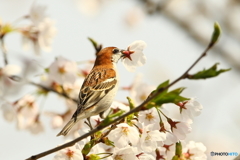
(99, 87)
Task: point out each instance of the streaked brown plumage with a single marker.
(99, 87)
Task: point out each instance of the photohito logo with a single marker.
(224, 153)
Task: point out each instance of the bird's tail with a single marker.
(67, 127)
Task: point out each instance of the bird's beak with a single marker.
(127, 53)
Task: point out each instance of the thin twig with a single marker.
(53, 90)
(4, 51)
(102, 126)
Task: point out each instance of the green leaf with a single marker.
(94, 43)
(170, 97)
(208, 73)
(165, 96)
(162, 85)
(216, 34)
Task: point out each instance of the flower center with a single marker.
(70, 153)
(125, 130)
(149, 116)
(148, 137)
(61, 70)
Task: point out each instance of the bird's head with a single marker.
(112, 54)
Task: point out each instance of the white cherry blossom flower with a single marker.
(149, 116)
(150, 137)
(139, 91)
(27, 111)
(47, 32)
(119, 105)
(39, 36)
(57, 121)
(35, 126)
(170, 138)
(123, 134)
(190, 109)
(127, 153)
(180, 129)
(136, 57)
(69, 153)
(37, 13)
(27, 106)
(63, 71)
(115, 107)
(195, 151)
(165, 152)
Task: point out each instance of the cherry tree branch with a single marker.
(63, 94)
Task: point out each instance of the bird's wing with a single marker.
(96, 86)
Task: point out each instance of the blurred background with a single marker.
(176, 33)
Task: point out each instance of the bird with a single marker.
(99, 87)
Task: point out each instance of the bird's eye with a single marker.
(115, 50)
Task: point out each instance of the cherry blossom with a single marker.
(57, 121)
(165, 152)
(69, 153)
(123, 134)
(47, 32)
(63, 70)
(180, 129)
(119, 106)
(37, 13)
(35, 126)
(170, 138)
(127, 153)
(149, 117)
(190, 109)
(139, 90)
(39, 36)
(150, 137)
(27, 111)
(136, 57)
(195, 151)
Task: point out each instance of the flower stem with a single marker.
(4, 51)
